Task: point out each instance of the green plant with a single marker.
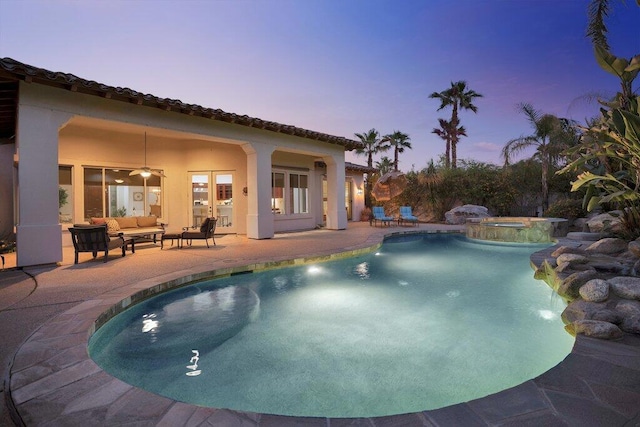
(614, 140)
(365, 214)
(63, 197)
(551, 136)
(608, 158)
(120, 212)
(399, 142)
(566, 208)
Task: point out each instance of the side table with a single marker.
(171, 236)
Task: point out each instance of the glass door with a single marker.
(200, 198)
(212, 196)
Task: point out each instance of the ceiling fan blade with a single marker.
(157, 173)
(136, 172)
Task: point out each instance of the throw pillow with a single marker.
(127, 222)
(112, 225)
(147, 221)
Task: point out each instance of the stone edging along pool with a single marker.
(52, 378)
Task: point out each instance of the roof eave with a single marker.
(15, 70)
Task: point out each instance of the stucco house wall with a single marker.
(82, 125)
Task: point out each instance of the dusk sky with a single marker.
(336, 66)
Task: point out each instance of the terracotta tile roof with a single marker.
(359, 168)
(12, 71)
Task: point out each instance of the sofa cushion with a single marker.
(127, 222)
(141, 231)
(147, 221)
(112, 225)
(98, 221)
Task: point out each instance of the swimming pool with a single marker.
(400, 330)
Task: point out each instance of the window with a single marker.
(113, 193)
(65, 194)
(277, 192)
(298, 193)
(224, 191)
(289, 193)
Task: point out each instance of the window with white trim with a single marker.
(289, 193)
(298, 193)
(112, 192)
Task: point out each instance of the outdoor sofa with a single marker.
(132, 226)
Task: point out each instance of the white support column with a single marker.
(259, 216)
(38, 233)
(336, 209)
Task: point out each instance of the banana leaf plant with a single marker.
(610, 159)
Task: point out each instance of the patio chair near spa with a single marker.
(379, 215)
(205, 232)
(407, 216)
(94, 239)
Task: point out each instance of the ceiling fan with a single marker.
(146, 171)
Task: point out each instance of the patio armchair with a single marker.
(206, 232)
(407, 216)
(379, 215)
(94, 239)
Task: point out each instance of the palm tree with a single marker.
(372, 145)
(384, 165)
(551, 136)
(446, 132)
(458, 96)
(625, 69)
(399, 141)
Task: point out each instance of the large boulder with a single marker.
(570, 286)
(580, 310)
(595, 290)
(568, 250)
(626, 287)
(605, 222)
(595, 329)
(631, 324)
(571, 258)
(628, 308)
(460, 214)
(608, 245)
(634, 248)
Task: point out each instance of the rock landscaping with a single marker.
(601, 283)
(460, 214)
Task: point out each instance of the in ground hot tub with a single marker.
(516, 229)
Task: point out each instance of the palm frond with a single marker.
(597, 30)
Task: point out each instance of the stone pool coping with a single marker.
(53, 380)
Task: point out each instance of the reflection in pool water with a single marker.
(427, 321)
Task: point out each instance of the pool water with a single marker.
(425, 322)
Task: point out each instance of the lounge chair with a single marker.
(407, 216)
(379, 215)
(94, 239)
(205, 232)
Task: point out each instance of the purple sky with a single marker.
(338, 67)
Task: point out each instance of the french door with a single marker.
(211, 195)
